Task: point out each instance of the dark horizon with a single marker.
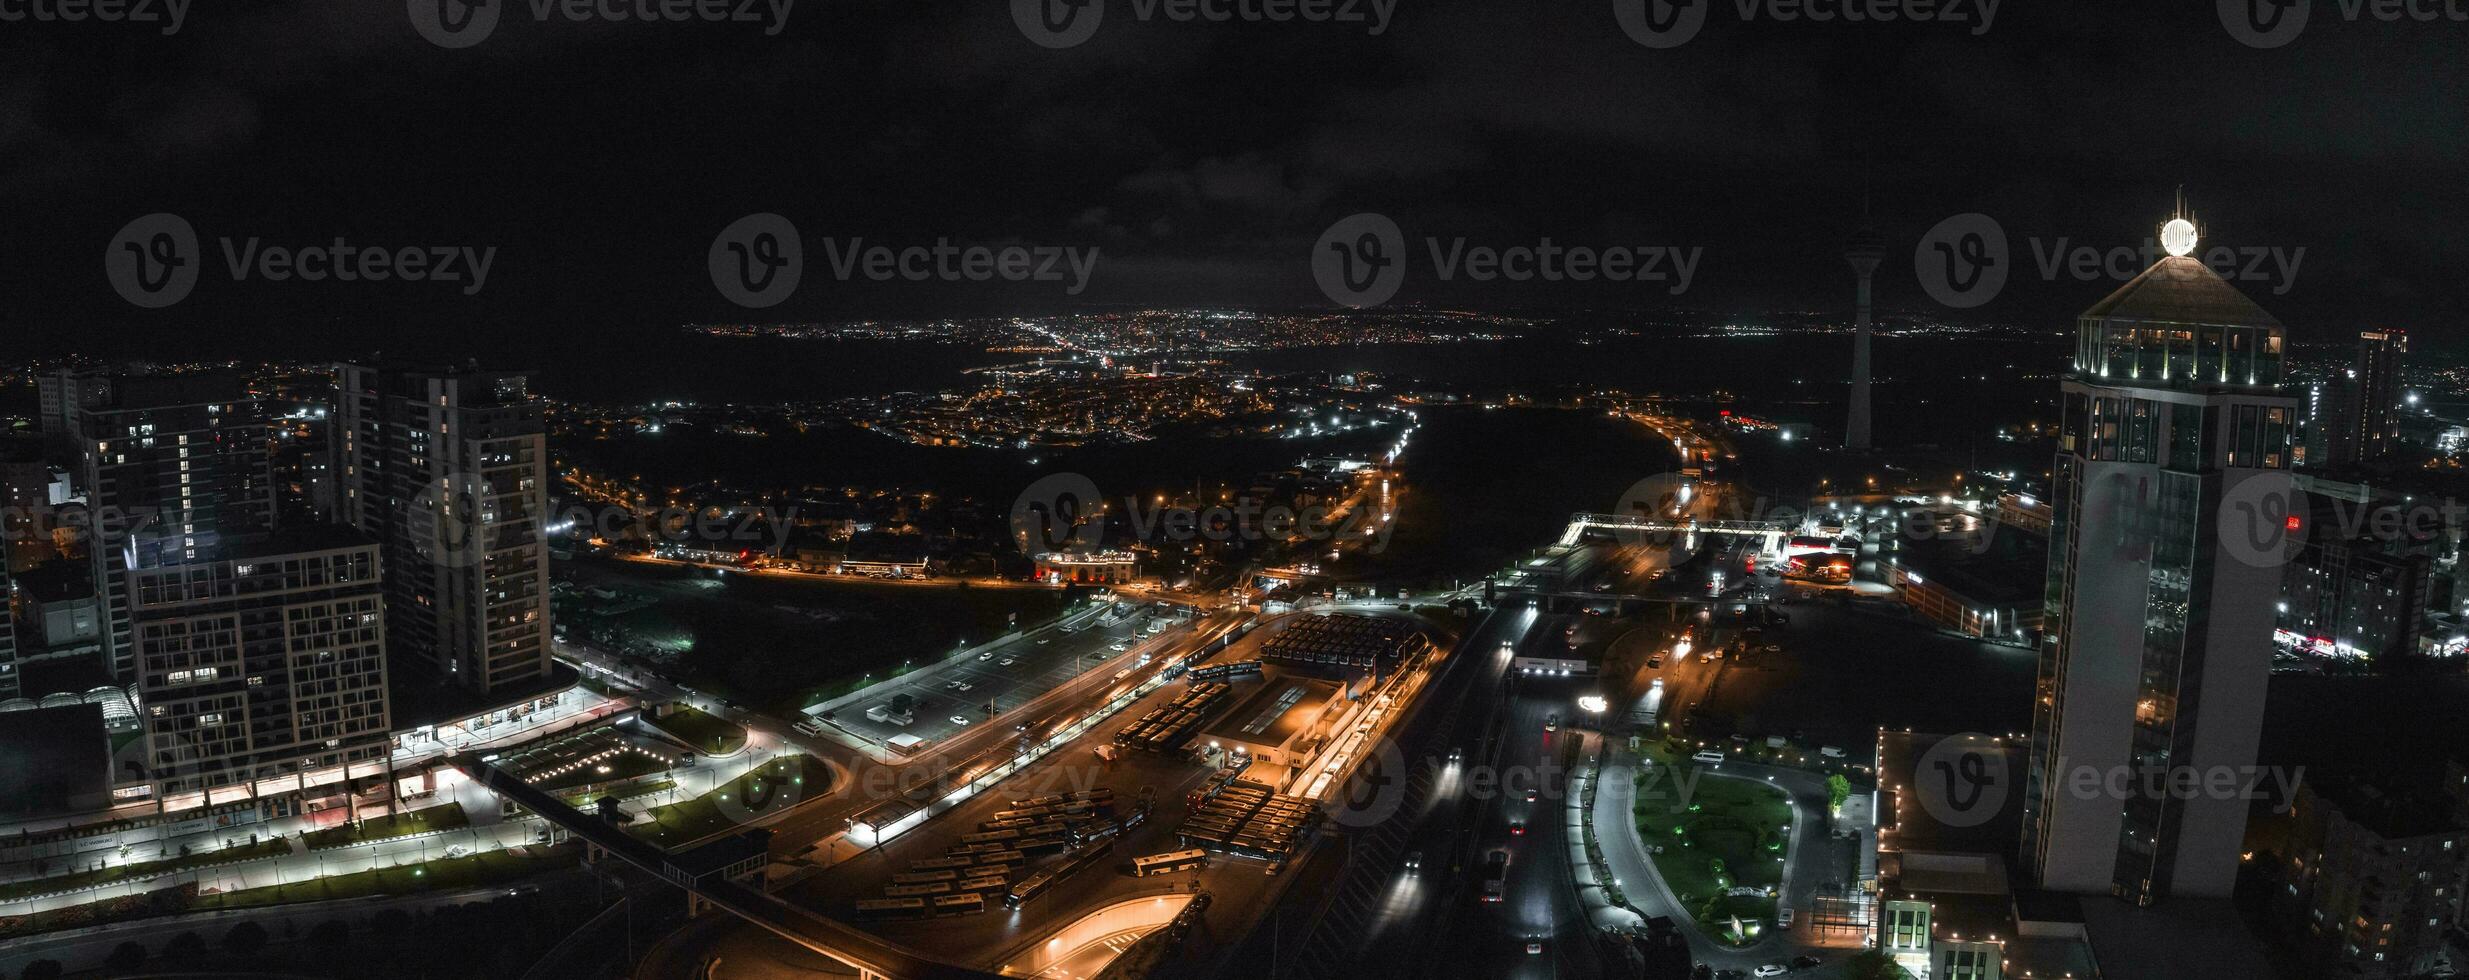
(1202, 160)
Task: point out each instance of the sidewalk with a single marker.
(488, 832)
(1607, 907)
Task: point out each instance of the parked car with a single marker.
(961, 720)
(1007, 661)
(1804, 962)
(1772, 970)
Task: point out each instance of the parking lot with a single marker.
(954, 696)
(992, 936)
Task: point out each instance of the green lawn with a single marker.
(484, 868)
(708, 734)
(142, 869)
(1716, 834)
(776, 785)
(447, 817)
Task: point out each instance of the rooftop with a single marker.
(2010, 566)
(2390, 813)
(53, 761)
(1280, 710)
(2178, 289)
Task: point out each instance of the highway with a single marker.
(1357, 910)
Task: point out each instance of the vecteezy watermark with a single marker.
(1672, 23)
(1663, 511)
(945, 262)
(2267, 24)
(1060, 24)
(1966, 260)
(1360, 262)
(1967, 780)
(463, 23)
(2262, 520)
(169, 13)
(154, 261)
(763, 529)
(1063, 513)
(758, 260)
(1963, 780)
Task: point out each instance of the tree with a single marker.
(1872, 964)
(125, 957)
(330, 935)
(185, 949)
(245, 939)
(1838, 789)
(391, 923)
(40, 970)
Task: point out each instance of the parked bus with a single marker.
(991, 837)
(952, 863)
(925, 877)
(1029, 888)
(886, 909)
(990, 885)
(968, 904)
(918, 891)
(1169, 862)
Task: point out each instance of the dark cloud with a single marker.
(1205, 159)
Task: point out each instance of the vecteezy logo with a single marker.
(1662, 499)
(2262, 518)
(448, 523)
(2264, 24)
(454, 23)
(757, 260)
(153, 261)
(1661, 23)
(1963, 261)
(1360, 261)
(1963, 780)
(1059, 512)
(1377, 789)
(1058, 24)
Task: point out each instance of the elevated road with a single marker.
(870, 957)
(1772, 531)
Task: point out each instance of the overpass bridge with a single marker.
(1772, 531)
(708, 874)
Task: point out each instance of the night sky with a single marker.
(1203, 159)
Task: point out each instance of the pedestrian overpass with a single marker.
(1772, 531)
(700, 872)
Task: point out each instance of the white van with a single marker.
(1709, 757)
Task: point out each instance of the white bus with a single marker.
(1169, 862)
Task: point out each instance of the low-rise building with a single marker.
(1979, 579)
(2375, 875)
